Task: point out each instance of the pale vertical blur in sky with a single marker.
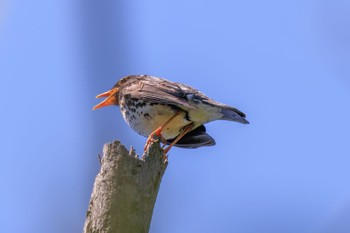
(286, 64)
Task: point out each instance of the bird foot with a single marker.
(154, 137)
(186, 129)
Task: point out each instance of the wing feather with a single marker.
(164, 92)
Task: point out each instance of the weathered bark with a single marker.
(125, 190)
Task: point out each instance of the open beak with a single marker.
(110, 100)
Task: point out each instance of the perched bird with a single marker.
(173, 111)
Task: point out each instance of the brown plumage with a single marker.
(172, 110)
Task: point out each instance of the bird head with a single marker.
(111, 98)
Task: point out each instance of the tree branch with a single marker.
(125, 190)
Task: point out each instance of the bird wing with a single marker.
(162, 92)
(229, 113)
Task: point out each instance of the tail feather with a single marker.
(194, 139)
(233, 114)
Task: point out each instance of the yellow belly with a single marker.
(149, 118)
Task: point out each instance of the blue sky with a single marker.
(286, 64)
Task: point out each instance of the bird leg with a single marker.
(158, 133)
(186, 129)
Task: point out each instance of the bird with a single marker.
(173, 111)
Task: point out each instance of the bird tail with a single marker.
(194, 139)
(233, 114)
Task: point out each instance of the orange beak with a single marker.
(110, 100)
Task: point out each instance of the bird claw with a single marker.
(149, 141)
(166, 150)
(165, 158)
(154, 137)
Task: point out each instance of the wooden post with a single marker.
(125, 190)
